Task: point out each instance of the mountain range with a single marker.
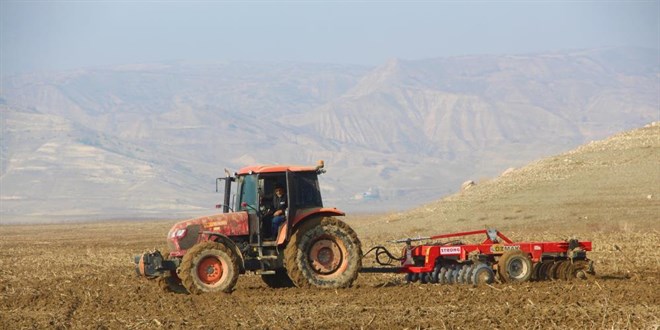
(148, 140)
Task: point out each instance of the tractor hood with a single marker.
(183, 235)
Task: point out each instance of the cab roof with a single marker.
(276, 169)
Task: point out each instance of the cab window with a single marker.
(248, 193)
(308, 193)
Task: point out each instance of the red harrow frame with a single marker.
(454, 262)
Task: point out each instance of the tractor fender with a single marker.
(304, 214)
(220, 238)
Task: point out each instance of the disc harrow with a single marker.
(497, 258)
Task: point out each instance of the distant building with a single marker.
(371, 194)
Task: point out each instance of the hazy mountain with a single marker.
(149, 139)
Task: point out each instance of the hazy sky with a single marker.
(55, 35)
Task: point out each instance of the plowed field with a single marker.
(81, 276)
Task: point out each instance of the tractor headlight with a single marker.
(179, 233)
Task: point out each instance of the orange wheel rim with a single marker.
(209, 270)
(326, 256)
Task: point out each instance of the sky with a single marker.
(62, 35)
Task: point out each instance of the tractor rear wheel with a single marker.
(323, 252)
(209, 267)
(514, 266)
(278, 280)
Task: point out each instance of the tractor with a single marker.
(311, 247)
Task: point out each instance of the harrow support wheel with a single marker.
(323, 252)
(278, 280)
(514, 266)
(209, 267)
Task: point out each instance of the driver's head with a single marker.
(279, 190)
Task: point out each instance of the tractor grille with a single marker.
(191, 237)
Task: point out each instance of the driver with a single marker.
(279, 206)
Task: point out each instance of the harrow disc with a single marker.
(467, 275)
(543, 270)
(461, 275)
(452, 276)
(552, 271)
(535, 271)
(582, 270)
(442, 276)
(448, 275)
(436, 274)
(482, 274)
(562, 270)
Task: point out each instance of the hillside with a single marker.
(611, 184)
(148, 140)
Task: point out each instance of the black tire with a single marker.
(323, 252)
(278, 280)
(221, 266)
(514, 266)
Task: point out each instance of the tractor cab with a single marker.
(255, 189)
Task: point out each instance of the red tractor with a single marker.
(310, 248)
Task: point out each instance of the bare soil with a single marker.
(81, 275)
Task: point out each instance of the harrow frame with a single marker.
(456, 262)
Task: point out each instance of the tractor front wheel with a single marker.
(209, 267)
(323, 252)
